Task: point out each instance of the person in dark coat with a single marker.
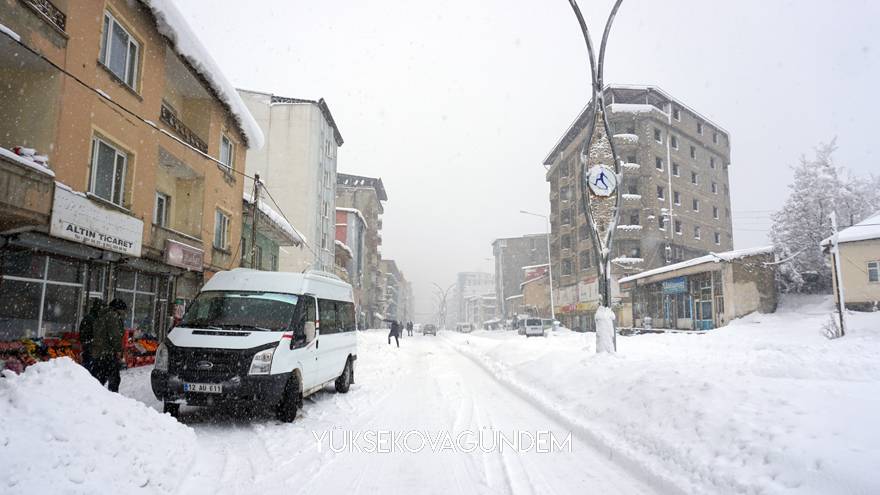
(395, 332)
(87, 332)
(409, 328)
(107, 344)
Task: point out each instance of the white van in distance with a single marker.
(269, 337)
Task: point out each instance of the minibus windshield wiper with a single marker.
(199, 324)
(246, 327)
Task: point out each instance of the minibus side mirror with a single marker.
(302, 337)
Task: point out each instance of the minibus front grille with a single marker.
(209, 365)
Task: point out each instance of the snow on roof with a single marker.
(534, 266)
(344, 247)
(356, 211)
(533, 279)
(518, 296)
(8, 32)
(171, 24)
(709, 258)
(868, 228)
(277, 219)
(27, 162)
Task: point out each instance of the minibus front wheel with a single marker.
(290, 401)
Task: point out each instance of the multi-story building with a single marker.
(145, 142)
(467, 285)
(397, 292)
(272, 233)
(298, 165)
(675, 195)
(481, 310)
(351, 229)
(511, 255)
(366, 194)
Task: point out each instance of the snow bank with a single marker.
(63, 433)
(765, 405)
(171, 24)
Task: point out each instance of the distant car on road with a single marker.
(429, 329)
(465, 327)
(534, 327)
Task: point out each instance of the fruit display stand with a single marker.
(16, 355)
(138, 352)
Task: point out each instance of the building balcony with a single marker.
(25, 193)
(169, 118)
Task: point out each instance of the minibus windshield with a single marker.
(260, 311)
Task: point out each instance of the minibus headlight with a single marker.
(262, 362)
(161, 362)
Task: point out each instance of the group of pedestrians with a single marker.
(100, 333)
(396, 331)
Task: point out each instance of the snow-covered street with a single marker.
(424, 386)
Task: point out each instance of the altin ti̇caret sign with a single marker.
(77, 218)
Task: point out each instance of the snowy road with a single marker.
(425, 386)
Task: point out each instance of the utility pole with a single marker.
(838, 274)
(254, 216)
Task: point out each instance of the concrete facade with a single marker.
(511, 255)
(298, 165)
(676, 194)
(467, 285)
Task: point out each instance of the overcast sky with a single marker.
(455, 103)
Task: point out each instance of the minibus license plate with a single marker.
(211, 388)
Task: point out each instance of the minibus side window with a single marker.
(346, 316)
(328, 317)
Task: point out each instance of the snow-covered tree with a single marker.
(819, 187)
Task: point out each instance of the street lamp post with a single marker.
(599, 172)
(549, 261)
(441, 295)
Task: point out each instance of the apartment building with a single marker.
(511, 255)
(366, 195)
(468, 285)
(121, 160)
(675, 195)
(351, 229)
(298, 165)
(397, 292)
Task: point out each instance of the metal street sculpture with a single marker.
(599, 171)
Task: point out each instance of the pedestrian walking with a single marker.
(409, 328)
(87, 332)
(395, 332)
(106, 348)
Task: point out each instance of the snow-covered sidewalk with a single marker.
(765, 405)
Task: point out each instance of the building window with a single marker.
(715, 212)
(566, 216)
(138, 290)
(675, 170)
(715, 137)
(696, 204)
(660, 194)
(874, 271)
(718, 238)
(712, 162)
(584, 232)
(632, 188)
(585, 259)
(119, 51)
(634, 218)
(566, 267)
(674, 142)
(160, 214)
(227, 150)
(108, 172)
(676, 198)
(699, 128)
(658, 163)
(631, 159)
(258, 258)
(657, 135)
(221, 230)
(693, 152)
(714, 188)
(693, 177)
(566, 241)
(564, 193)
(676, 114)
(661, 222)
(678, 226)
(697, 232)
(273, 262)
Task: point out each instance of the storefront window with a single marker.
(39, 295)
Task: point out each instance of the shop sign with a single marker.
(588, 290)
(535, 272)
(183, 255)
(587, 306)
(78, 219)
(677, 285)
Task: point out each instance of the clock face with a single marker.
(602, 180)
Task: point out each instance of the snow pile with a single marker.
(277, 219)
(172, 25)
(63, 433)
(341, 245)
(29, 159)
(764, 405)
(604, 329)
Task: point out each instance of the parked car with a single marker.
(254, 336)
(429, 329)
(465, 327)
(534, 327)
